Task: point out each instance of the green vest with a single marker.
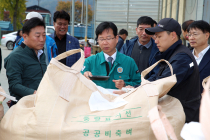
(124, 68)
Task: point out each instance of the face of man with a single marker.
(124, 36)
(143, 37)
(197, 38)
(164, 40)
(61, 27)
(36, 38)
(184, 33)
(107, 41)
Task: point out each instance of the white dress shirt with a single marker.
(113, 57)
(200, 55)
(39, 53)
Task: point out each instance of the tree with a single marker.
(16, 10)
(66, 6)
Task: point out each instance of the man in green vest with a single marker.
(121, 69)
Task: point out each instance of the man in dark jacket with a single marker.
(64, 41)
(25, 66)
(187, 88)
(198, 37)
(185, 25)
(122, 36)
(142, 48)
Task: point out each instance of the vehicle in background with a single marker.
(82, 42)
(80, 25)
(8, 40)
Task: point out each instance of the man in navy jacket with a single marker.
(64, 41)
(122, 37)
(142, 48)
(187, 88)
(198, 38)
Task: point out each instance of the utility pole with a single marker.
(72, 15)
(86, 28)
(38, 2)
(82, 11)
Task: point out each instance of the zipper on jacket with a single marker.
(40, 63)
(41, 68)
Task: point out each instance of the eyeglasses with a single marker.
(193, 35)
(108, 40)
(60, 24)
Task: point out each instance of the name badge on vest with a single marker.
(119, 69)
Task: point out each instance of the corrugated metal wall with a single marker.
(125, 13)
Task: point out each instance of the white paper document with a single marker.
(8, 96)
(99, 103)
(192, 131)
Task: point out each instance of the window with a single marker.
(50, 30)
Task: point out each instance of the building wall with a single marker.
(169, 9)
(188, 9)
(125, 13)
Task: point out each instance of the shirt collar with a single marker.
(202, 53)
(113, 56)
(57, 37)
(39, 53)
(147, 45)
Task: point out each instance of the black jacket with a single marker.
(120, 43)
(24, 71)
(187, 88)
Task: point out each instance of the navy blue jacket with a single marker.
(71, 43)
(204, 68)
(128, 47)
(120, 43)
(180, 63)
(185, 68)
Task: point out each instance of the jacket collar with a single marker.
(167, 54)
(102, 58)
(57, 37)
(205, 60)
(29, 50)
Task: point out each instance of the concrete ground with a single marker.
(3, 78)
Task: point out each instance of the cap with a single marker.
(32, 15)
(166, 24)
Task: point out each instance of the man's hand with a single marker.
(119, 92)
(119, 83)
(87, 74)
(9, 102)
(34, 92)
(129, 86)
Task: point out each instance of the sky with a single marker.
(49, 4)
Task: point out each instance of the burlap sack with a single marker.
(205, 109)
(1, 101)
(60, 109)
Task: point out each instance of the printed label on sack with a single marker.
(124, 114)
(108, 133)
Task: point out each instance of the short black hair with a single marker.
(104, 26)
(32, 23)
(154, 22)
(18, 32)
(168, 32)
(62, 15)
(200, 24)
(186, 24)
(123, 31)
(145, 20)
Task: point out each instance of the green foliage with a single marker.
(66, 6)
(16, 10)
